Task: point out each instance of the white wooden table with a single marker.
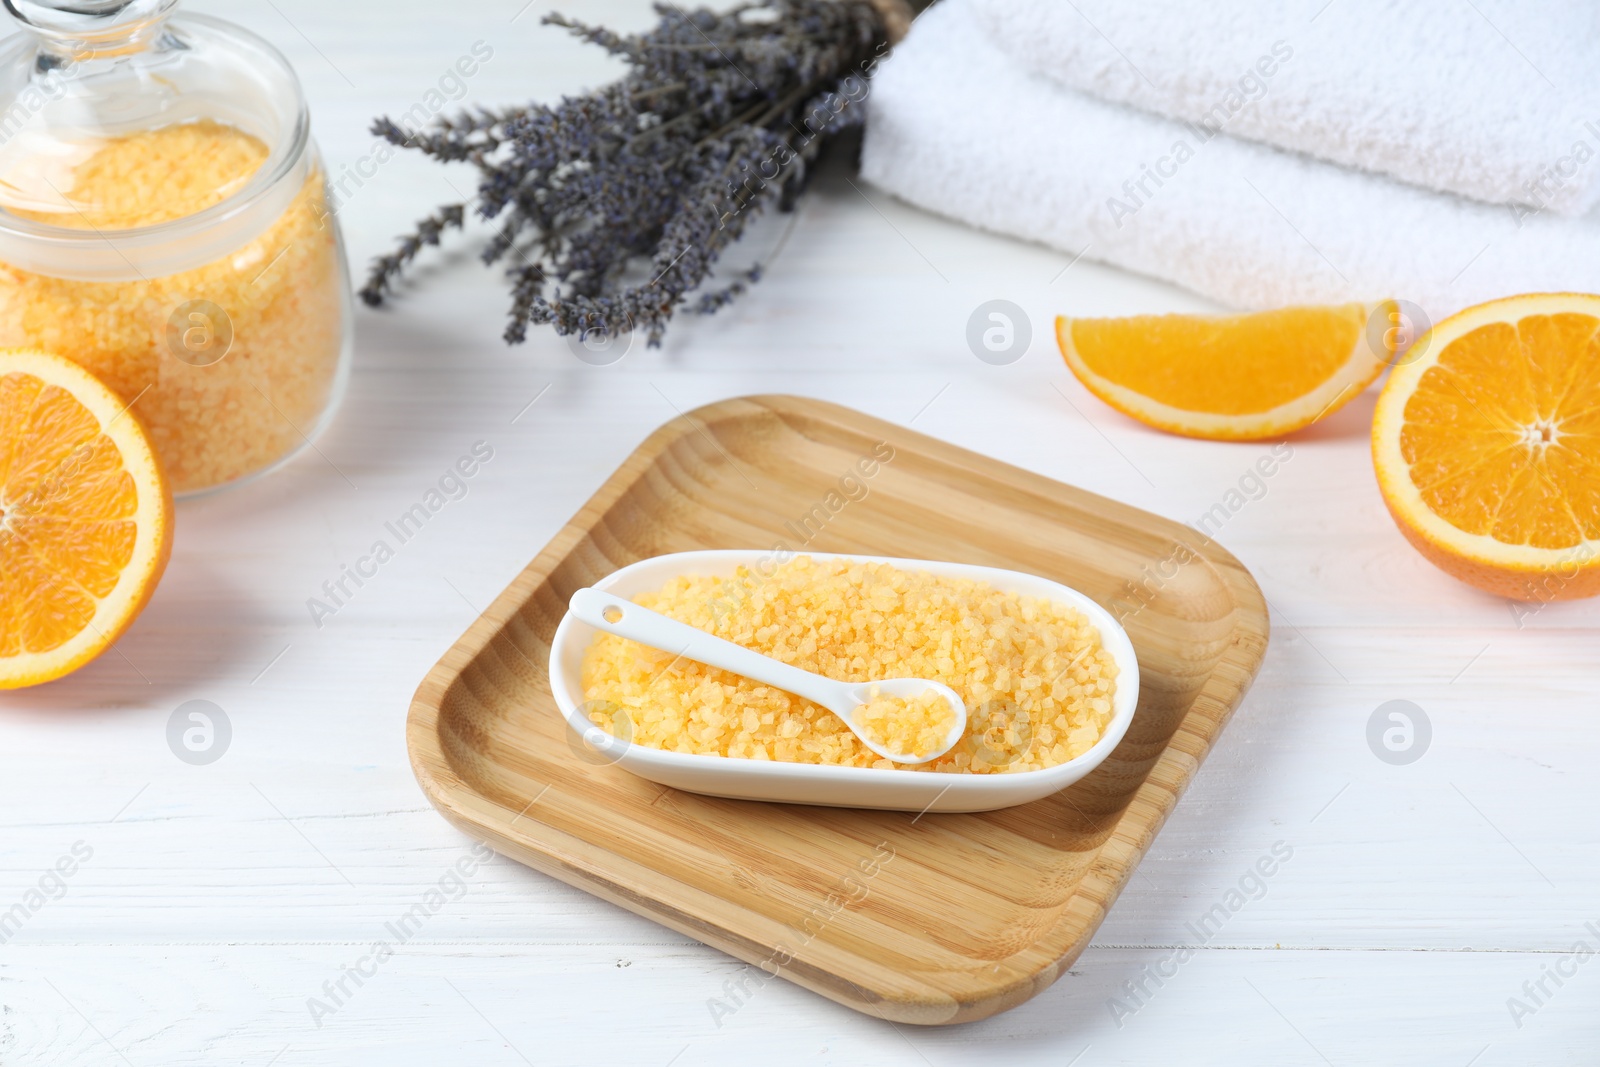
(217, 900)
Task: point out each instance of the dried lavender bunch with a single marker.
(613, 207)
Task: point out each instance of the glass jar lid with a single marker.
(136, 142)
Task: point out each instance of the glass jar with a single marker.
(165, 223)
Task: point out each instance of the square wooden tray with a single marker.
(931, 919)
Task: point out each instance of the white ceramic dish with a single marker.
(803, 783)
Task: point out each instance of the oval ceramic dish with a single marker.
(807, 783)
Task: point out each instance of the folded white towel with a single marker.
(956, 126)
(1493, 99)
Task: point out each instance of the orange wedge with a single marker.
(1487, 446)
(85, 518)
(1234, 377)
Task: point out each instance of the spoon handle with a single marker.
(617, 615)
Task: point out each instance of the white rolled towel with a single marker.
(959, 127)
(1493, 99)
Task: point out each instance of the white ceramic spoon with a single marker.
(620, 616)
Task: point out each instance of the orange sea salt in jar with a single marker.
(164, 222)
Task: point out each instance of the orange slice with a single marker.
(1234, 377)
(1487, 446)
(85, 518)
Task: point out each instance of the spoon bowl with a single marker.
(906, 689)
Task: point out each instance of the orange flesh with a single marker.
(1502, 435)
(67, 508)
(1238, 365)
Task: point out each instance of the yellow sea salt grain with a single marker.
(282, 294)
(153, 176)
(861, 622)
(912, 727)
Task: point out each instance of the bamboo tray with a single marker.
(920, 919)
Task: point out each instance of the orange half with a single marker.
(85, 518)
(1230, 377)
(1487, 446)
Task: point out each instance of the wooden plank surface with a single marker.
(1418, 900)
